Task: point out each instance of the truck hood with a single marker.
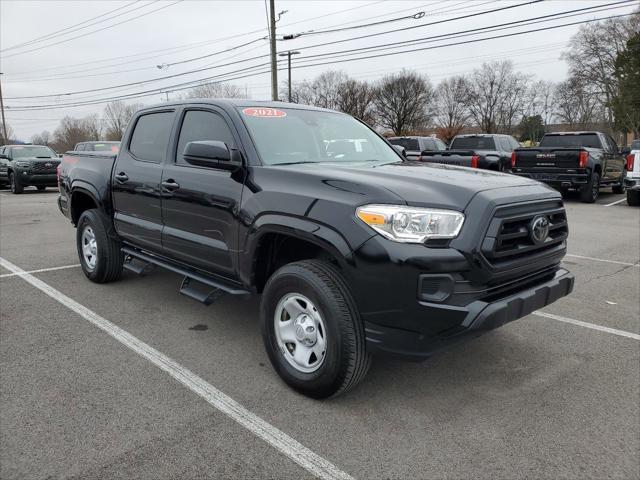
(419, 183)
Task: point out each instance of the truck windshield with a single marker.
(287, 136)
(473, 143)
(28, 151)
(572, 140)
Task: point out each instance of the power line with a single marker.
(463, 33)
(263, 56)
(96, 31)
(179, 87)
(66, 29)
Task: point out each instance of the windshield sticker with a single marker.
(263, 112)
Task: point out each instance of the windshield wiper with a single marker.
(293, 163)
(44, 157)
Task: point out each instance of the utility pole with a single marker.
(4, 123)
(288, 55)
(274, 63)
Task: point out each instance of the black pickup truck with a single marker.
(354, 249)
(585, 161)
(416, 146)
(489, 151)
(25, 165)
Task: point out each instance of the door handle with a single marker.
(170, 185)
(121, 177)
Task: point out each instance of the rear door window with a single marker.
(151, 136)
(199, 125)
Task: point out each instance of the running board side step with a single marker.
(137, 266)
(200, 287)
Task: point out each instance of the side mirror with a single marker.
(212, 154)
(400, 149)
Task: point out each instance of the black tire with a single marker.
(41, 188)
(14, 184)
(590, 192)
(346, 360)
(109, 257)
(620, 188)
(633, 198)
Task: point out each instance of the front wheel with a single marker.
(99, 250)
(311, 329)
(14, 183)
(589, 193)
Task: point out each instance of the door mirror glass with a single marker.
(206, 153)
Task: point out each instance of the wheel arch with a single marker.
(276, 240)
(82, 199)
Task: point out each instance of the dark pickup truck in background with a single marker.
(585, 161)
(355, 250)
(416, 146)
(486, 151)
(26, 165)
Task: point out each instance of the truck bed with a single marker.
(90, 171)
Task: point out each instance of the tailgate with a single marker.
(547, 158)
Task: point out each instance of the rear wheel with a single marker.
(99, 250)
(14, 184)
(633, 198)
(311, 329)
(620, 188)
(589, 193)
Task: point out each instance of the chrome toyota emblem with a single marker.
(539, 229)
(48, 164)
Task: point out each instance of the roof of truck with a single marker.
(239, 102)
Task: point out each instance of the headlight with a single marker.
(23, 164)
(411, 224)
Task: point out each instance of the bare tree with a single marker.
(451, 113)
(402, 102)
(116, 117)
(593, 52)
(216, 90)
(323, 91)
(576, 103)
(356, 99)
(495, 96)
(43, 138)
(73, 130)
(539, 101)
(10, 135)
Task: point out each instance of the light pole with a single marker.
(288, 55)
(4, 123)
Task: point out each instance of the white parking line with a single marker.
(615, 203)
(603, 260)
(297, 452)
(5, 275)
(592, 326)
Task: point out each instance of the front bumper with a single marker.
(479, 317)
(45, 179)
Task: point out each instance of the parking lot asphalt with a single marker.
(538, 398)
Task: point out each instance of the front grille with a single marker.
(509, 237)
(45, 167)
